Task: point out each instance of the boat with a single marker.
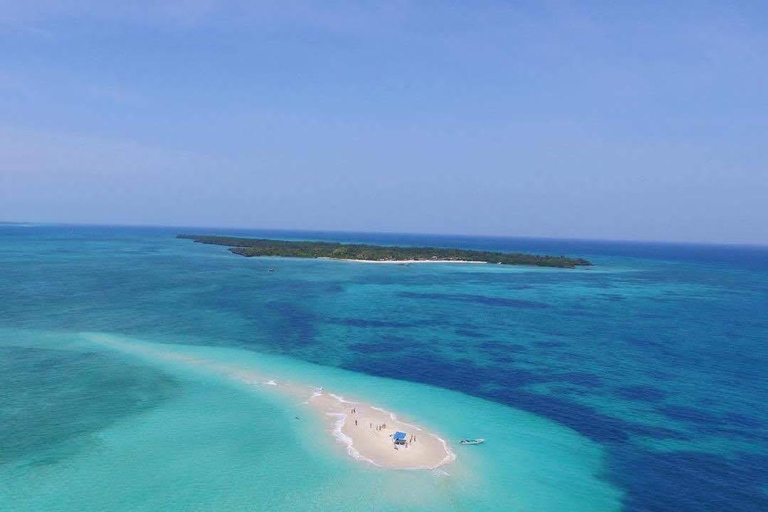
(472, 441)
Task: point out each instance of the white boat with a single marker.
(472, 441)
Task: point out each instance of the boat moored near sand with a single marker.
(472, 441)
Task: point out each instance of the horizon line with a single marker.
(409, 233)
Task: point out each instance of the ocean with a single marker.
(638, 384)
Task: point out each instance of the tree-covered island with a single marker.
(365, 252)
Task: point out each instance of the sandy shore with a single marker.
(403, 262)
(365, 431)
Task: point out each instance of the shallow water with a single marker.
(639, 383)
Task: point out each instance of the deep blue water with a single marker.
(658, 353)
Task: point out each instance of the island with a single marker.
(379, 253)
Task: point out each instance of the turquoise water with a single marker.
(636, 385)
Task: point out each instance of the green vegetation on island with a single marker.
(364, 252)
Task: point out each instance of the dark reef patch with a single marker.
(691, 415)
(374, 348)
(690, 481)
(580, 378)
(294, 326)
(581, 418)
(362, 322)
(550, 344)
(469, 333)
(476, 299)
(499, 346)
(642, 393)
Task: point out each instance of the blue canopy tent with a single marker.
(399, 437)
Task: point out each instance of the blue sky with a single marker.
(616, 120)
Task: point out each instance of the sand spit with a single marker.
(367, 431)
(404, 262)
(364, 430)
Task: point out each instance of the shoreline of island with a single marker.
(262, 247)
(368, 433)
(364, 430)
(403, 262)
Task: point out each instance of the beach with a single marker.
(368, 432)
(403, 262)
(364, 430)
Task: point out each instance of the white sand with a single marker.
(401, 262)
(367, 431)
(364, 430)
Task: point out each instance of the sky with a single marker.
(598, 120)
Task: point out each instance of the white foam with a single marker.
(450, 457)
(341, 399)
(393, 417)
(316, 392)
(388, 413)
(345, 439)
(409, 424)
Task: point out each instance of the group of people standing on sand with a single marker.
(408, 442)
(381, 427)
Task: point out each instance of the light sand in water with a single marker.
(404, 262)
(365, 430)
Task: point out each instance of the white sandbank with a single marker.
(403, 262)
(365, 431)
